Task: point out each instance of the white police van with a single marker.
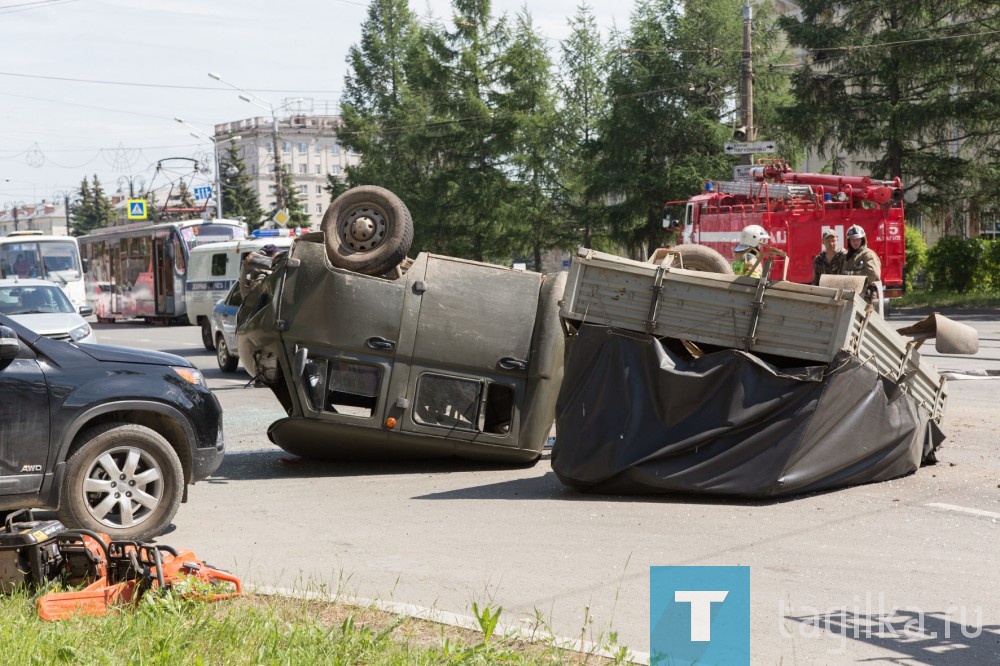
(215, 267)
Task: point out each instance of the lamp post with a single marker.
(256, 100)
(198, 134)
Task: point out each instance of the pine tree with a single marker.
(907, 89)
(581, 87)
(239, 199)
(530, 220)
(297, 215)
(91, 209)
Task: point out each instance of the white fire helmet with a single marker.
(751, 237)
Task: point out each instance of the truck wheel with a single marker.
(701, 258)
(125, 480)
(206, 335)
(227, 362)
(368, 230)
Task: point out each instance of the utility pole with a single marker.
(256, 100)
(746, 98)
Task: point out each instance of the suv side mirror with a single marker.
(10, 345)
(86, 310)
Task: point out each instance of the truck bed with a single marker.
(793, 320)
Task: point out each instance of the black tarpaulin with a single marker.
(635, 417)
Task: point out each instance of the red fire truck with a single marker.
(795, 209)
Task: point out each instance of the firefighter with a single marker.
(748, 250)
(831, 260)
(862, 260)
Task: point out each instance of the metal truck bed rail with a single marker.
(791, 320)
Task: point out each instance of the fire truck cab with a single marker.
(796, 208)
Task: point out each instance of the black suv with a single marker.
(106, 436)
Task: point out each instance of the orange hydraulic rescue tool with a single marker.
(123, 570)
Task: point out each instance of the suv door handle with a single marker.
(380, 343)
(509, 363)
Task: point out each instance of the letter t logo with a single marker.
(701, 610)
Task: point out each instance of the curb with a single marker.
(452, 619)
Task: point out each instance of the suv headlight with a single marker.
(190, 375)
(80, 332)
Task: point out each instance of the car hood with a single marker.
(127, 355)
(50, 323)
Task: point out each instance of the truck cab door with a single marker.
(465, 340)
(24, 424)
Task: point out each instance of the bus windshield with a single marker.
(56, 260)
(211, 233)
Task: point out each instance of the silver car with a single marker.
(43, 307)
(224, 329)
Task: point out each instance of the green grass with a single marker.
(167, 629)
(918, 298)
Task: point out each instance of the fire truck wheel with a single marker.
(368, 230)
(124, 480)
(701, 258)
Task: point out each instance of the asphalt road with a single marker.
(836, 577)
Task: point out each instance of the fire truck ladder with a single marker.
(763, 190)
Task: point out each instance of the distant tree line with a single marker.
(502, 146)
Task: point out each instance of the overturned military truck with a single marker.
(660, 377)
(373, 355)
(679, 380)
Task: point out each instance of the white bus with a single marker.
(139, 270)
(54, 258)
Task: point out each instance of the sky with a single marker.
(93, 86)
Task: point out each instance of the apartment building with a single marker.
(307, 148)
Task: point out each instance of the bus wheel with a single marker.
(206, 335)
(368, 230)
(701, 258)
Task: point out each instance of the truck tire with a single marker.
(701, 258)
(125, 480)
(368, 230)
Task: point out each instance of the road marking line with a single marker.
(965, 509)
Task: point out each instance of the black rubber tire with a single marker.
(368, 230)
(94, 473)
(206, 335)
(701, 258)
(227, 362)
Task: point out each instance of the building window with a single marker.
(303, 168)
(319, 189)
(285, 146)
(304, 190)
(319, 208)
(317, 148)
(270, 189)
(335, 149)
(335, 169)
(303, 149)
(319, 168)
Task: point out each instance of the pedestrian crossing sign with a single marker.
(137, 209)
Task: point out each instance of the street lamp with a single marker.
(247, 96)
(198, 134)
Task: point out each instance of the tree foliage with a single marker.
(911, 86)
(91, 209)
(239, 198)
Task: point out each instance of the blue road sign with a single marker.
(202, 193)
(137, 209)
